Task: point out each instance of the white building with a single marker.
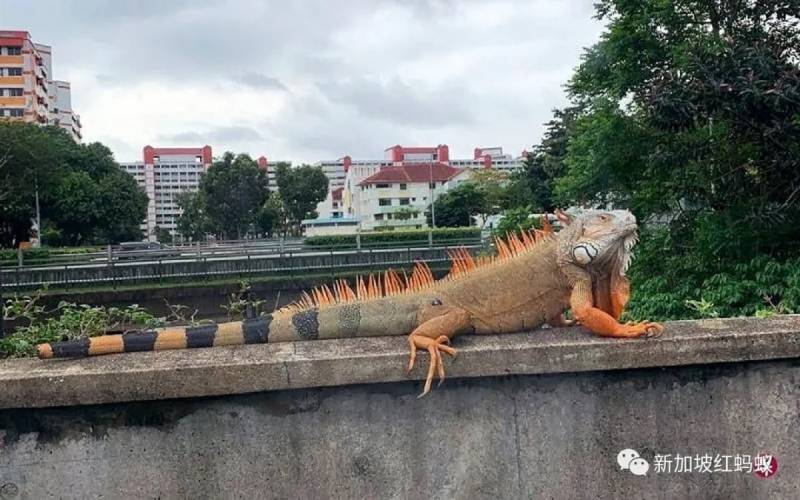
(163, 173)
(397, 155)
(398, 196)
(491, 158)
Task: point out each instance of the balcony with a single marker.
(11, 60)
(16, 101)
(12, 80)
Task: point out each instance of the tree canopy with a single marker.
(84, 195)
(300, 189)
(688, 113)
(234, 189)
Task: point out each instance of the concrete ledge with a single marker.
(32, 383)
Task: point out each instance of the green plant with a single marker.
(240, 302)
(68, 321)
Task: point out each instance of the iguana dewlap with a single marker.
(531, 281)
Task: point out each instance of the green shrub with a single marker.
(390, 237)
(68, 322)
(695, 285)
(515, 220)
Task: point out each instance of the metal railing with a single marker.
(240, 248)
(201, 264)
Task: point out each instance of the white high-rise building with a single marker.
(163, 173)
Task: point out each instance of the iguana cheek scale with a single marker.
(531, 281)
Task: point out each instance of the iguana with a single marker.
(532, 280)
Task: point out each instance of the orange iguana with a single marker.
(532, 280)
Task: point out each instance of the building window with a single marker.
(403, 187)
(16, 112)
(382, 186)
(378, 216)
(404, 201)
(15, 92)
(14, 71)
(385, 202)
(432, 185)
(14, 51)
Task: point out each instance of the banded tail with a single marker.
(249, 331)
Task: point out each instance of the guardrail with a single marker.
(242, 248)
(217, 266)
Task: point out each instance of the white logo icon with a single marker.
(629, 459)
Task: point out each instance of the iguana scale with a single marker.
(531, 281)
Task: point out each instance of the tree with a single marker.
(31, 160)
(122, 206)
(688, 113)
(162, 234)
(405, 213)
(272, 216)
(493, 184)
(300, 189)
(535, 183)
(83, 194)
(193, 223)
(456, 207)
(234, 189)
(75, 208)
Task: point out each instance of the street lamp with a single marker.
(430, 186)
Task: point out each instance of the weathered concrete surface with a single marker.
(534, 436)
(245, 369)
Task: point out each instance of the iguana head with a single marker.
(598, 240)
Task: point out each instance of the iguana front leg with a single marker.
(603, 323)
(434, 335)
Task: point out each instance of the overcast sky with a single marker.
(310, 80)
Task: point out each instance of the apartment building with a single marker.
(491, 158)
(398, 196)
(28, 91)
(61, 112)
(23, 78)
(164, 173)
(358, 203)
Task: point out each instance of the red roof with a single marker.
(150, 152)
(336, 194)
(417, 172)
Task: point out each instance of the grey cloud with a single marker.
(363, 74)
(259, 81)
(219, 135)
(400, 102)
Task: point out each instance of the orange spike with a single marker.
(547, 228)
(361, 289)
(371, 286)
(502, 249)
(319, 297)
(328, 294)
(348, 292)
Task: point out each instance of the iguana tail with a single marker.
(249, 331)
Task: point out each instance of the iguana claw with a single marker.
(434, 348)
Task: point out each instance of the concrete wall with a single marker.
(546, 436)
(553, 435)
